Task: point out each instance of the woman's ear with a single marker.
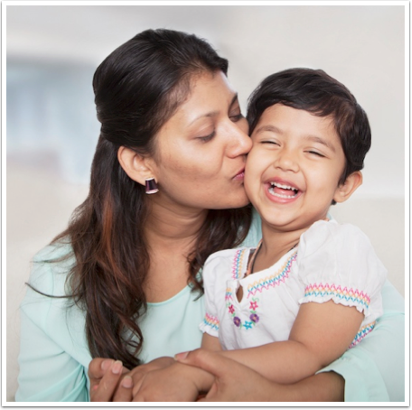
(136, 166)
(345, 190)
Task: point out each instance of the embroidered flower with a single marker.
(253, 305)
(254, 317)
(237, 321)
(248, 325)
(231, 309)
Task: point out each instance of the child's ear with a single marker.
(345, 190)
(137, 167)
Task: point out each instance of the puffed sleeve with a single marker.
(218, 269)
(210, 323)
(337, 262)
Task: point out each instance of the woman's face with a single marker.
(201, 150)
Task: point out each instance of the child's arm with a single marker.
(211, 343)
(320, 334)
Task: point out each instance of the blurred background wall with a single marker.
(52, 52)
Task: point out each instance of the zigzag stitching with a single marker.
(362, 333)
(228, 295)
(211, 321)
(237, 262)
(353, 295)
(273, 280)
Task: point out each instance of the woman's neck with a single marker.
(171, 236)
(165, 225)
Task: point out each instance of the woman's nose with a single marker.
(240, 142)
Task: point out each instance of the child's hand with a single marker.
(233, 381)
(176, 382)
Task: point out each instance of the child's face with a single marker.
(293, 170)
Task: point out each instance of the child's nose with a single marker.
(287, 160)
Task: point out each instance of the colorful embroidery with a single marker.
(254, 318)
(362, 333)
(211, 321)
(350, 295)
(271, 281)
(237, 263)
(228, 295)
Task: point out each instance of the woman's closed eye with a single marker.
(207, 138)
(236, 117)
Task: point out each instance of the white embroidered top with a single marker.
(332, 262)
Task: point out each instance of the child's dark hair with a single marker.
(320, 94)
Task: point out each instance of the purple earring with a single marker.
(151, 186)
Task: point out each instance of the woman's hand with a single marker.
(110, 381)
(236, 382)
(106, 381)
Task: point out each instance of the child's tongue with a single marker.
(282, 191)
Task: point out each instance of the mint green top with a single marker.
(54, 355)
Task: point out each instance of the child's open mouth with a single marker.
(283, 191)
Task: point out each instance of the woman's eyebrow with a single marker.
(213, 113)
(234, 100)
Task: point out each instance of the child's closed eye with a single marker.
(316, 153)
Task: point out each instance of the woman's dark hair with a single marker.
(317, 92)
(137, 89)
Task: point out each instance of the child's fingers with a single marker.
(206, 360)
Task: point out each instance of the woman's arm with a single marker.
(46, 372)
(53, 348)
(372, 371)
(321, 332)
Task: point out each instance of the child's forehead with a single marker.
(279, 117)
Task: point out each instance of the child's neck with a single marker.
(274, 245)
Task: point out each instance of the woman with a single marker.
(125, 275)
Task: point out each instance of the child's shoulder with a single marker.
(332, 227)
(330, 232)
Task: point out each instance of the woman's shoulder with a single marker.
(50, 268)
(54, 251)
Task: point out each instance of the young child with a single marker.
(311, 289)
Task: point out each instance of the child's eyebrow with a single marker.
(270, 128)
(320, 140)
(311, 138)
